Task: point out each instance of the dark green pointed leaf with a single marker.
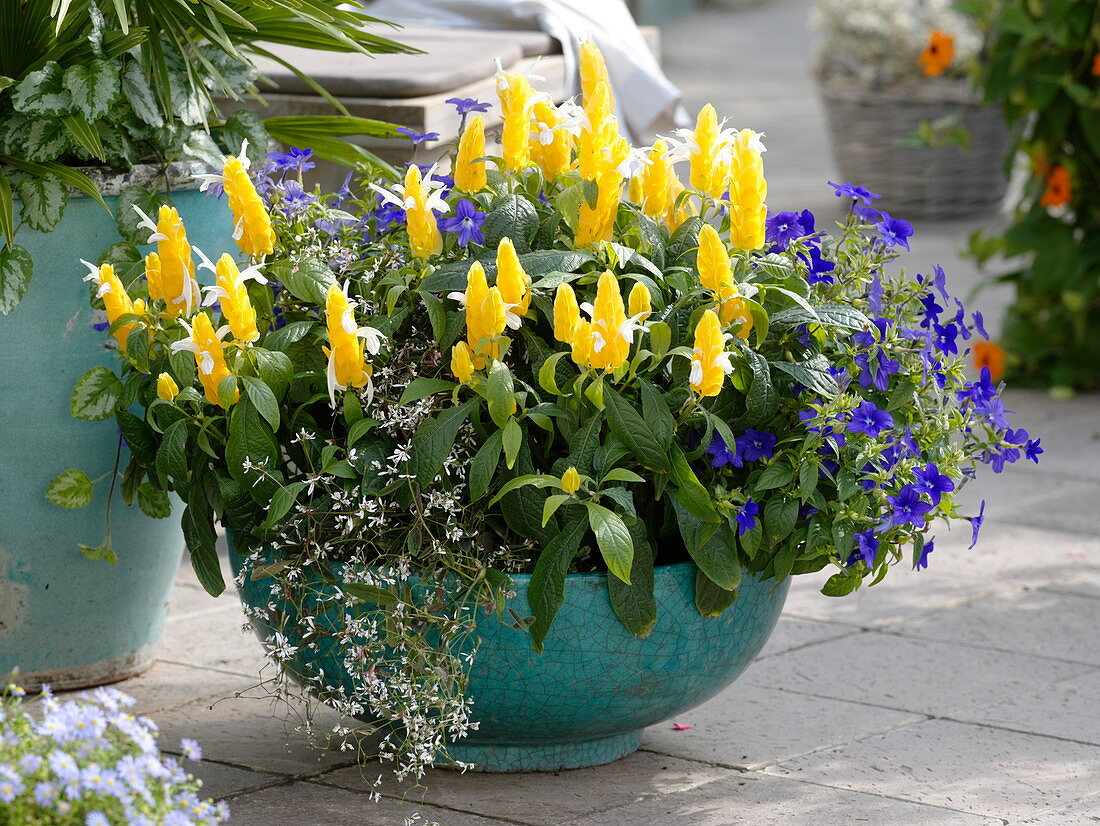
(710, 598)
(632, 430)
(153, 502)
(511, 217)
(484, 465)
(546, 589)
(264, 399)
(613, 540)
(635, 604)
(433, 441)
(713, 550)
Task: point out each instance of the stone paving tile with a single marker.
(1069, 709)
(167, 685)
(792, 632)
(1085, 584)
(960, 766)
(219, 781)
(1041, 622)
(1085, 813)
(760, 800)
(747, 726)
(248, 733)
(188, 601)
(544, 798)
(920, 676)
(214, 640)
(310, 804)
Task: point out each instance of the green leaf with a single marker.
(171, 461)
(710, 598)
(433, 441)
(198, 531)
(227, 391)
(511, 217)
(7, 210)
(45, 139)
(813, 373)
(275, 368)
(714, 551)
(551, 505)
(307, 279)
(94, 85)
(95, 395)
(774, 476)
(635, 604)
(44, 199)
(153, 502)
(842, 584)
(285, 336)
(281, 503)
(251, 442)
(262, 396)
(500, 393)
(42, 92)
(140, 95)
(546, 588)
(16, 269)
(484, 465)
(512, 442)
(84, 135)
(138, 435)
(780, 515)
(71, 489)
(582, 447)
(127, 218)
(690, 492)
(631, 429)
(660, 339)
(656, 413)
(613, 540)
(548, 380)
(621, 474)
(808, 475)
(422, 387)
(369, 593)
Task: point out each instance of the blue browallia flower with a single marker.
(945, 338)
(721, 455)
(929, 546)
(295, 199)
(866, 548)
(879, 376)
(783, 227)
(858, 193)
(417, 138)
(756, 444)
(868, 419)
(939, 280)
(466, 105)
(466, 222)
(894, 231)
(976, 525)
(932, 310)
(867, 214)
(819, 267)
(932, 482)
(296, 160)
(909, 507)
(101, 326)
(979, 324)
(994, 410)
(1032, 450)
(746, 518)
(343, 193)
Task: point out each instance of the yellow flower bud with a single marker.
(167, 388)
(593, 70)
(566, 314)
(597, 223)
(512, 280)
(710, 363)
(469, 173)
(233, 295)
(172, 275)
(734, 309)
(713, 262)
(639, 304)
(570, 481)
(709, 157)
(610, 347)
(347, 362)
(656, 182)
(515, 102)
(253, 231)
(424, 238)
(461, 363)
(748, 189)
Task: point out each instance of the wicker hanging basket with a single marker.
(869, 124)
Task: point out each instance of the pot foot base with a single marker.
(546, 757)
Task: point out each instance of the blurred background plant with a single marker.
(115, 84)
(1043, 69)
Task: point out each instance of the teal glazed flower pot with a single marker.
(64, 619)
(588, 697)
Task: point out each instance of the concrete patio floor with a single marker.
(968, 693)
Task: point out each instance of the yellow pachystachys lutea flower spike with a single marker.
(170, 271)
(252, 225)
(713, 263)
(593, 70)
(231, 292)
(551, 143)
(734, 309)
(513, 283)
(639, 303)
(516, 100)
(567, 314)
(115, 300)
(469, 172)
(570, 481)
(462, 364)
(597, 223)
(600, 146)
(612, 332)
(710, 362)
(167, 388)
(709, 154)
(424, 238)
(748, 189)
(657, 182)
(486, 316)
(207, 347)
(348, 344)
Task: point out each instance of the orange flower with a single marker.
(1059, 187)
(938, 54)
(1096, 64)
(991, 355)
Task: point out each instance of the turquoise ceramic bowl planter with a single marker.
(64, 619)
(587, 698)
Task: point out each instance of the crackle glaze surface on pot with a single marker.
(64, 619)
(586, 699)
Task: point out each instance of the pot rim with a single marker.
(158, 177)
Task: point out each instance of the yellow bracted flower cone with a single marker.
(153, 277)
(566, 314)
(639, 303)
(734, 309)
(709, 156)
(610, 348)
(115, 300)
(595, 141)
(597, 223)
(710, 363)
(462, 364)
(173, 275)
(236, 306)
(551, 146)
(748, 189)
(424, 238)
(493, 319)
(582, 343)
(593, 70)
(713, 263)
(657, 180)
(570, 481)
(347, 364)
(469, 173)
(515, 102)
(252, 225)
(512, 281)
(207, 347)
(477, 290)
(167, 388)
